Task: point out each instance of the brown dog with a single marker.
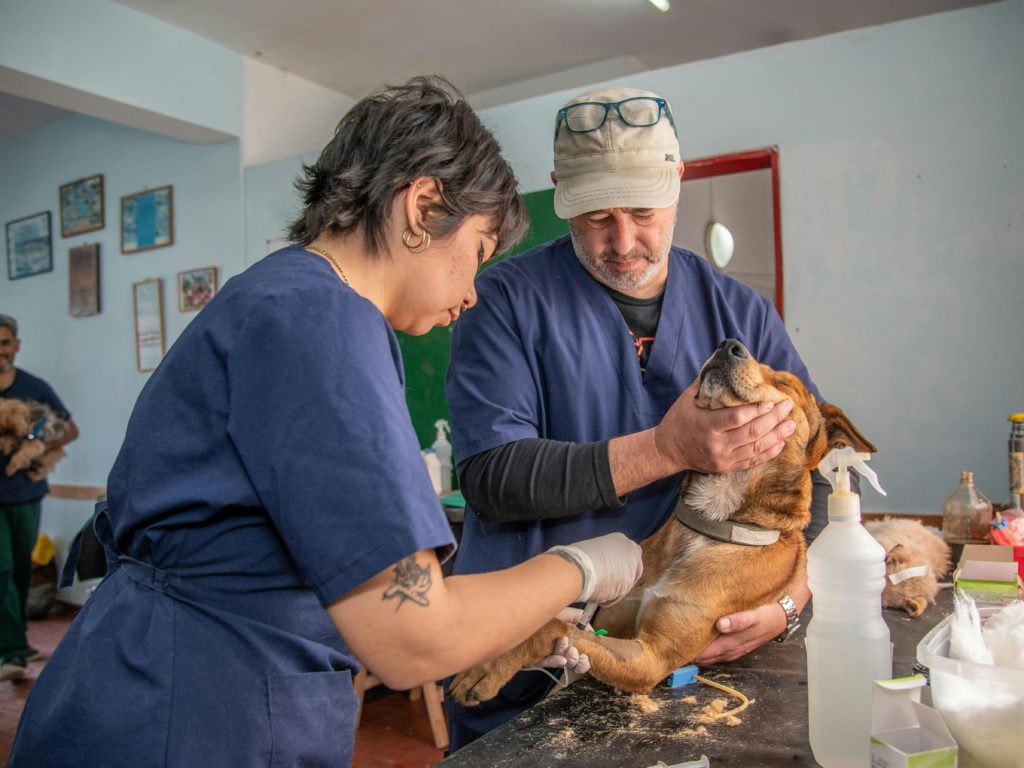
(915, 560)
(690, 579)
(25, 426)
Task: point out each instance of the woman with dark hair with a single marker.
(270, 517)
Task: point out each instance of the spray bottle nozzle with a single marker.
(838, 461)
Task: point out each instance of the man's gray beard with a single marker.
(615, 280)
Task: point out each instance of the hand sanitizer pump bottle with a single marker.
(444, 453)
(847, 641)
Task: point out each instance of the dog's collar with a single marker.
(37, 430)
(728, 530)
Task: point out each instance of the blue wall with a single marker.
(271, 202)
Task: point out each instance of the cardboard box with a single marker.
(904, 732)
(988, 573)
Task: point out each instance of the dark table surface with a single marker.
(589, 725)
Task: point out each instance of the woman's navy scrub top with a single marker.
(269, 467)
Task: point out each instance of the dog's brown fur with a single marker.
(690, 580)
(909, 544)
(17, 420)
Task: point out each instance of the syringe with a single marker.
(585, 616)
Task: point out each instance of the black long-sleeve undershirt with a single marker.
(535, 479)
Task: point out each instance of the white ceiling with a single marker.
(500, 52)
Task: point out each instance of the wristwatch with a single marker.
(792, 618)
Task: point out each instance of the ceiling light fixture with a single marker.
(661, 5)
(719, 243)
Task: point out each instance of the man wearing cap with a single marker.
(572, 381)
(20, 502)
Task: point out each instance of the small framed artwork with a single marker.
(29, 246)
(147, 302)
(84, 280)
(81, 206)
(147, 220)
(195, 288)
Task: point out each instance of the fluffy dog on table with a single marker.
(691, 579)
(25, 426)
(915, 559)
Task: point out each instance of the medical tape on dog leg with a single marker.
(909, 573)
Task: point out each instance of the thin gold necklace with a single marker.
(337, 266)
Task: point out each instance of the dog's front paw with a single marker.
(915, 606)
(482, 682)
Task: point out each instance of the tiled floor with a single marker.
(394, 732)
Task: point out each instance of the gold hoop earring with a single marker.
(419, 247)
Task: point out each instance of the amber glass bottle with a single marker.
(966, 514)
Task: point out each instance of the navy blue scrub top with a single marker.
(546, 353)
(269, 467)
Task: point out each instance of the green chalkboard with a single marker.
(426, 357)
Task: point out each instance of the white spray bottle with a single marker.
(444, 453)
(848, 644)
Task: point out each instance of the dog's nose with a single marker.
(731, 348)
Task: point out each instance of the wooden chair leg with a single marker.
(433, 696)
(359, 683)
(362, 682)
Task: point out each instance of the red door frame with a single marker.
(754, 160)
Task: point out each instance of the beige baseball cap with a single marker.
(618, 165)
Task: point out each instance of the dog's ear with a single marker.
(894, 555)
(841, 432)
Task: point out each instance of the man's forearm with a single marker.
(635, 462)
(70, 434)
(536, 479)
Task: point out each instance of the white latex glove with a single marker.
(564, 653)
(611, 565)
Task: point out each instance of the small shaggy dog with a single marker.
(25, 426)
(915, 560)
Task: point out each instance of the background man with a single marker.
(20, 503)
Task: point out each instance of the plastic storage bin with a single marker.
(983, 705)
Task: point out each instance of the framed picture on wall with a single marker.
(81, 206)
(147, 303)
(29, 247)
(195, 288)
(147, 220)
(84, 280)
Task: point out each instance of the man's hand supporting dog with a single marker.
(744, 631)
(692, 438)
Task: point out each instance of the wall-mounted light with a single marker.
(719, 243)
(661, 5)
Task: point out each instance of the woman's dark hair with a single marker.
(389, 138)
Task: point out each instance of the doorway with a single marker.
(740, 192)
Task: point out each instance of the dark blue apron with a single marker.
(153, 672)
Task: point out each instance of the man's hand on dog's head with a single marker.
(722, 440)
